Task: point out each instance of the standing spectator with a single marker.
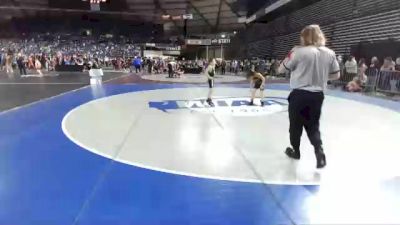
(8, 62)
(274, 68)
(170, 69)
(375, 63)
(223, 67)
(237, 67)
(397, 67)
(3, 61)
(144, 63)
(268, 66)
(21, 64)
(341, 64)
(388, 79)
(388, 64)
(311, 66)
(351, 67)
(31, 63)
(374, 66)
(362, 68)
(43, 61)
(150, 65)
(232, 66)
(137, 63)
(38, 66)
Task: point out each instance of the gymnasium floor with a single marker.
(145, 150)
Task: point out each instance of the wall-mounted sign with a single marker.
(220, 41)
(176, 17)
(208, 41)
(177, 48)
(198, 41)
(174, 53)
(187, 16)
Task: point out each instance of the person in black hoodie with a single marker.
(21, 64)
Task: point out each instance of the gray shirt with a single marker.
(310, 67)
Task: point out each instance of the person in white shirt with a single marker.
(311, 66)
(351, 66)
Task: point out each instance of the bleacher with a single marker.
(345, 23)
(375, 27)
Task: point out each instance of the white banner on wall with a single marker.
(152, 53)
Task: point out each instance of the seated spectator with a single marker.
(361, 79)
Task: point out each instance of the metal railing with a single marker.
(372, 78)
(377, 81)
(344, 79)
(388, 82)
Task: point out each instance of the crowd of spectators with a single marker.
(46, 52)
(356, 73)
(41, 53)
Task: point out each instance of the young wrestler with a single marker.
(210, 73)
(257, 82)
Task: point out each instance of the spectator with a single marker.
(21, 64)
(223, 67)
(341, 64)
(385, 78)
(38, 66)
(150, 65)
(268, 66)
(8, 62)
(388, 64)
(137, 62)
(375, 63)
(170, 69)
(397, 67)
(361, 79)
(351, 66)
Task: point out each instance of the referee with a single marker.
(311, 66)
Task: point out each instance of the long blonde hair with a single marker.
(312, 35)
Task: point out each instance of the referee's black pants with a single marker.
(305, 111)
